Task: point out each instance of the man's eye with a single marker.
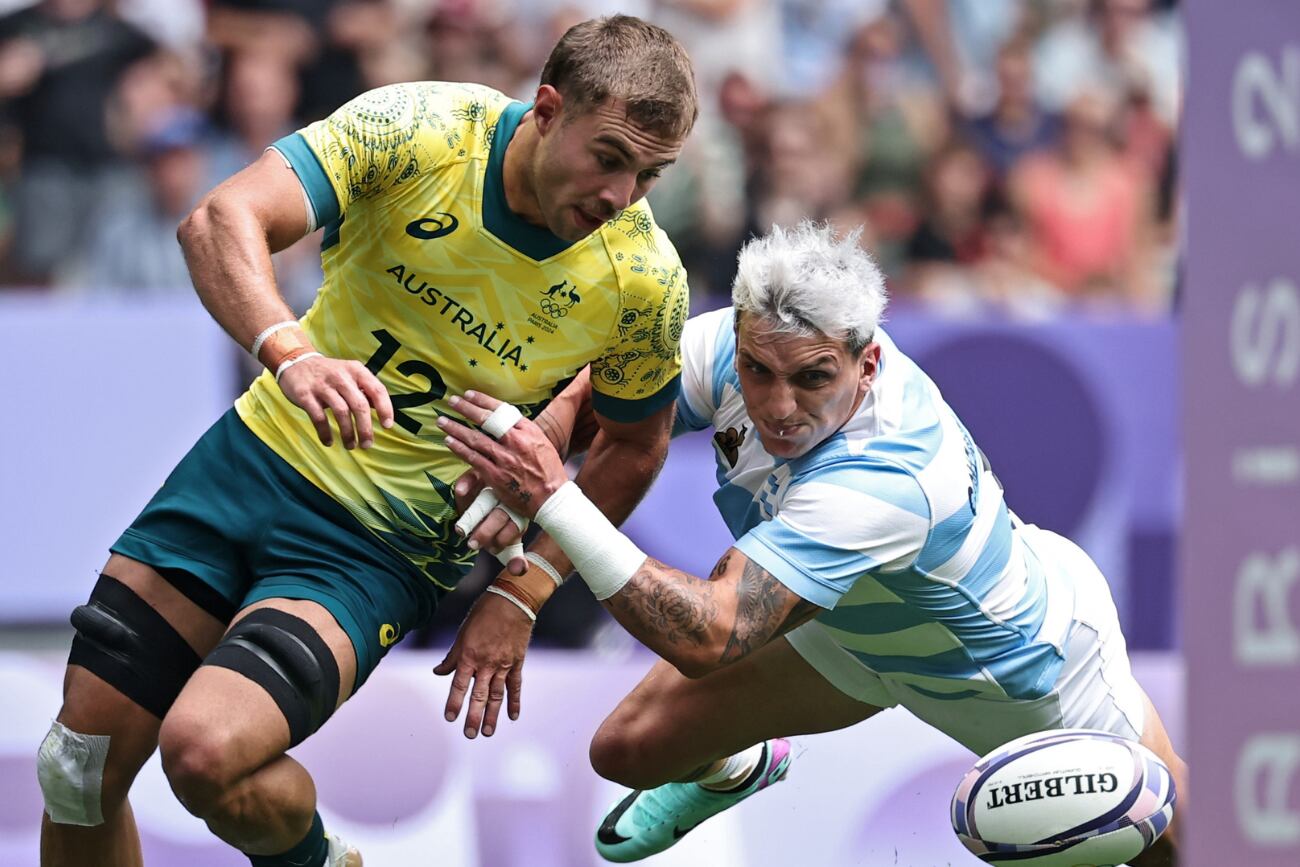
(607, 163)
(651, 174)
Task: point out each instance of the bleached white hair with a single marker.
(807, 281)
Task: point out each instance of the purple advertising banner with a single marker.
(1241, 333)
(402, 784)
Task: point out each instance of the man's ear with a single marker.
(548, 106)
(870, 361)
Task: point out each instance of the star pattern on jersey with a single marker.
(530, 339)
(500, 325)
(473, 362)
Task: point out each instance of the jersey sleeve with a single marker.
(837, 525)
(640, 371)
(697, 402)
(380, 139)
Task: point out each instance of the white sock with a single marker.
(734, 769)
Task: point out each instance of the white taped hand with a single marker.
(482, 506)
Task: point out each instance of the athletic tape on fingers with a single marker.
(502, 419)
(482, 506)
(510, 552)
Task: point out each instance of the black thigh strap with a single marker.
(284, 655)
(125, 642)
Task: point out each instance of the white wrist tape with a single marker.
(267, 332)
(502, 419)
(279, 371)
(604, 557)
(545, 565)
(505, 594)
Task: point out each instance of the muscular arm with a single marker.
(228, 240)
(700, 625)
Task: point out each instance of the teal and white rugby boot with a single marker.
(645, 823)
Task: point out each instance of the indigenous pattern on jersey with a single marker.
(895, 524)
(435, 285)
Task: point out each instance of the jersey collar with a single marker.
(532, 241)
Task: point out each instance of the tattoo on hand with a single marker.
(760, 600)
(514, 487)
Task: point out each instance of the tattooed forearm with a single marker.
(760, 599)
(674, 611)
(698, 625)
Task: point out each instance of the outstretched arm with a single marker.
(700, 625)
(696, 624)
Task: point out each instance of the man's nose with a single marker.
(781, 402)
(617, 194)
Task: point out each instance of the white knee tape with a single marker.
(502, 419)
(70, 768)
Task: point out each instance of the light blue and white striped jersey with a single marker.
(894, 524)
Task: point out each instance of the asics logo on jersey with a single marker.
(558, 299)
(428, 228)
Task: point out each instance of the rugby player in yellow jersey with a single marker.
(470, 241)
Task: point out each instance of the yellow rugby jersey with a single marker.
(435, 285)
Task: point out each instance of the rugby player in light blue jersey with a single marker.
(876, 563)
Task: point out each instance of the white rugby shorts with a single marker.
(1095, 688)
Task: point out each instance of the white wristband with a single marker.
(545, 565)
(267, 332)
(504, 594)
(604, 557)
(279, 371)
(502, 419)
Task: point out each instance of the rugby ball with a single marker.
(1064, 798)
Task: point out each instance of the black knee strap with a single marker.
(125, 642)
(283, 654)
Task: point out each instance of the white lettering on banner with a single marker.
(1266, 465)
(1266, 767)
(1262, 629)
(1265, 338)
(1275, 88)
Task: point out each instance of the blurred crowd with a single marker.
(1014, 156)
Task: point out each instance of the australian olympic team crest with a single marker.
(559, 299)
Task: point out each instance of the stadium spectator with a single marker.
(434, 196)
(255, 107)
(957, 189)
(1017, 125)
(1115, 47)
(876, 563)
(60, 63)
(131, 248)
(1088, 212)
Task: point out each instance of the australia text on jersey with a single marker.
(471, 325)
